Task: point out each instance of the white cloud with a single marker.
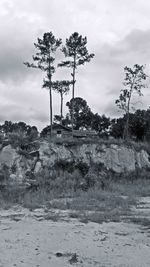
(118, 33)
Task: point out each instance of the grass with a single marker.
(94, 198)
(99, 200)
(145, 222)
(135, 188)
(73, 187)
(19, 196)
(53, 217)
(96, 205)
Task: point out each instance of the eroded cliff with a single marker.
(118, 158)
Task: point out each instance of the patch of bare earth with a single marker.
(53, 238)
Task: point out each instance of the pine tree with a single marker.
(76, 54)
(61, 87)
(44, 59)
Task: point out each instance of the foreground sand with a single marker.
(32, 239)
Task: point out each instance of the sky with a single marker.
(117, 31)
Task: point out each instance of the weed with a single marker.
(142, 221)
(74, 259)
(53, 217)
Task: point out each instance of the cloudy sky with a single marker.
(118, 32)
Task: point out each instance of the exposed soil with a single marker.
(42, 238)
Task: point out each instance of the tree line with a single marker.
(84, 118)
(105, 127)
(18, 127)
(76, 54)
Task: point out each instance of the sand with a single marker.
(28, 239)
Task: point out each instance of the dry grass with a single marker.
(96, 205)
(143, 221)
(133, 189)
(97, 217)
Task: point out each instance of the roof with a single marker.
(59, 126)
(90, 133)
(76, 133)
(79, 133)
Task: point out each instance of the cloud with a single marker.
(106, 73)
(118, 34)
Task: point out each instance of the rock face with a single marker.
(7, 156)
(112, 157)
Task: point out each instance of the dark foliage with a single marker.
(133, 83)
(81, 113)
(82, 167)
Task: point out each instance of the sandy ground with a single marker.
(29, 239)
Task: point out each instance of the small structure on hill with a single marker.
(58, 130)
(61, 131)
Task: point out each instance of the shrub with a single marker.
(4, 173)
(65, 165)
(14, 168)
(71, 166)
(1, 138)
(82, 167)
(16, 140)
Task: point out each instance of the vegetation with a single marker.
(44, 58)
(81, 113)
(133, 82)
(18, 127)
(76, 185)
(61, 87)
(96, 203)
(138, 126)
(84, 118)
(76, 52)
(133, 124)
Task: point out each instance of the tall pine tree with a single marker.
(76, 54)
(44, 60)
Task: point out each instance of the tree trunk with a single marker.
(126, 129)
(50, 96)
(73, 86)
(61, 108)
(51, 114)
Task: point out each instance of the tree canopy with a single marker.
(133, 83)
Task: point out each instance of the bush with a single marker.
(1, 138)
(71, 166)
(64, 165)
(16, 140)
(4, 173)
(82, 167)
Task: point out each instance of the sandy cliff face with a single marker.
(112, 157)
